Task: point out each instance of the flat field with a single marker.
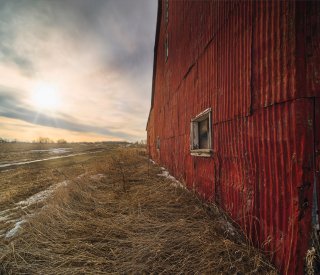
(107, 209)
(27, 169)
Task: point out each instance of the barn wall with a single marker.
(317, 148)
(248, 61)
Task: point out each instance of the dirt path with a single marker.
(134, 219)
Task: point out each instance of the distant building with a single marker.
(235, 114)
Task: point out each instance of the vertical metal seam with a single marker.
(315, 206)
(252, 55)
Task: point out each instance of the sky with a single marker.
(76, 69)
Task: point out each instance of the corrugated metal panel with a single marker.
(284, 162)
(317, 148)
(242, 58)
(231, 50)
(198, 23)
(274, 49)
(313, 47)
(265, 161)
(204, 175)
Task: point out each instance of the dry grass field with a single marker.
(23, 173)
(114, 214)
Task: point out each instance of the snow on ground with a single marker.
(97, 177)
(152, 161)
(43, 195)
(12, 216)
(11, 233)
(53, 151)
(37, 160)
(228, 227)
(50, 158)
(167, 175)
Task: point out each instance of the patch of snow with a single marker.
(167, 175)
(60, 150)
(178, 184)
(97, 177)
(43, 195)
(230, 228)
(11, 233)
(53, 150)
(39, 160)
(164, 174)
(6, 215)
(152, 161)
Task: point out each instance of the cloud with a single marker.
(11, 107)
(10, 56)
(99, 53)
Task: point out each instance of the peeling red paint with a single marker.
(255, 64)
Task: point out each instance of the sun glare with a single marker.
(45, 97)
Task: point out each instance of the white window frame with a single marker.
(194, 135)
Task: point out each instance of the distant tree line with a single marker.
(46, 140)
(3, 140)
(42, 140)
(142, 143)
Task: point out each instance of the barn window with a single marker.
(166, 48)
(200, 134)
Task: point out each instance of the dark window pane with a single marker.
(203, 134)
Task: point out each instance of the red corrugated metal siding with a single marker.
(232, 54)
(190, 18)
(313, 47)
(317, 148)
(263, 165)
(274, 49)
(242, 59)
(204, 172)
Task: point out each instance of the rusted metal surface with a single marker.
(274, 52)
(313, 47)
(248, 61)
(264, 164)
(317, 149)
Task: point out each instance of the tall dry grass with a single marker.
(130, 221)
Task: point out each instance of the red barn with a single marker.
(235, 114)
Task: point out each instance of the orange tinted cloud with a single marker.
(98, 53)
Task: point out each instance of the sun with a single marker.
(45, 97)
